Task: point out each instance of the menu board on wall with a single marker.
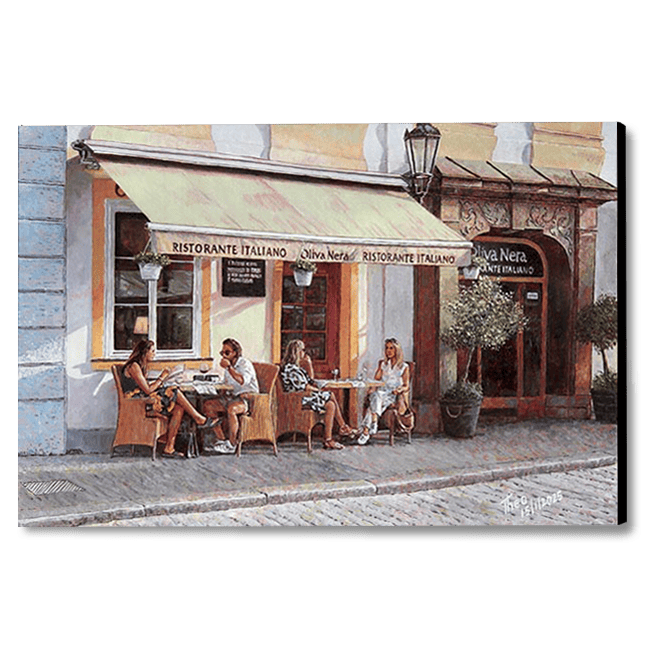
(243, 278)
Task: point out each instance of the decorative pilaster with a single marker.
(585, 263)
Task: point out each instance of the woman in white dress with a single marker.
(394, 372)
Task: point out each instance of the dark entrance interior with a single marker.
(515, 378)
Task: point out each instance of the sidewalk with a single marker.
(83, 489)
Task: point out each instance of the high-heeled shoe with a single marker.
(210, 423)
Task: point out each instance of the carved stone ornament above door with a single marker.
(477, 217)
(556, 221)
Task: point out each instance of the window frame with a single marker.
(112, 207)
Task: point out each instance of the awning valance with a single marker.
(217, 212)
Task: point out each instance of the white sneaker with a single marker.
(363, 438)
(225, 447)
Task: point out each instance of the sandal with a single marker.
(347, 431)
(173, 454)
(332, 444)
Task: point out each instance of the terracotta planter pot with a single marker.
(459, 417)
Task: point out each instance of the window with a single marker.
(304, 315)
(129, 307)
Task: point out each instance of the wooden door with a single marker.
(313, 314)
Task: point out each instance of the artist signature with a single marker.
(527, 506)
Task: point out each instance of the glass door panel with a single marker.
(499, 367)
(532, 353)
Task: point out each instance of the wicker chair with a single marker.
(262, 421)
(293, 419)
(389, 418)
(135, 425)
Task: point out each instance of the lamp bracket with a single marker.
(86, 156)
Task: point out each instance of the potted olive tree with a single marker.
(303, 272)
(485, 316)
(598, 324)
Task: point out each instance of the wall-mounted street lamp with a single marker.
(422, 143)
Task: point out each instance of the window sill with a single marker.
(158, 364)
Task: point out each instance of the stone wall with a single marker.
(41, 289)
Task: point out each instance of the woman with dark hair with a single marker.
(167, 400)
(295, 378)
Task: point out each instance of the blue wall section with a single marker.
(41, 289)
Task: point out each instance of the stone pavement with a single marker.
(75, 490)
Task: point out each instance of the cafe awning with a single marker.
(215, 211)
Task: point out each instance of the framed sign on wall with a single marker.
(243, 278)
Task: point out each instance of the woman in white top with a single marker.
(240, 374)
(394, 372)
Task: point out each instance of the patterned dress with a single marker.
(295, 379)
(164, 397)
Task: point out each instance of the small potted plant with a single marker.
(475, 267)
(485, 316)
(151, 264)
(598, 324)
(303, 272)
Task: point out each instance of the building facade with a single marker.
(537, 198)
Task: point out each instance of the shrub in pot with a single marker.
(151, 264)
(303, 272)
(598, 324)
(485, 316)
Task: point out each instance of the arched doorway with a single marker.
(514, 377)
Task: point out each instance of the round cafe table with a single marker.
(353, 394)
(198, 391)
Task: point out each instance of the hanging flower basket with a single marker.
(303, 272)
(151, 264)
(475, 267)
(471, 272)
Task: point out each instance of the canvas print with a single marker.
(320, 324)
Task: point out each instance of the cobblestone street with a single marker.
(578, 497)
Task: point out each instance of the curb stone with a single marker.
(227, 501)
(314, 491)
